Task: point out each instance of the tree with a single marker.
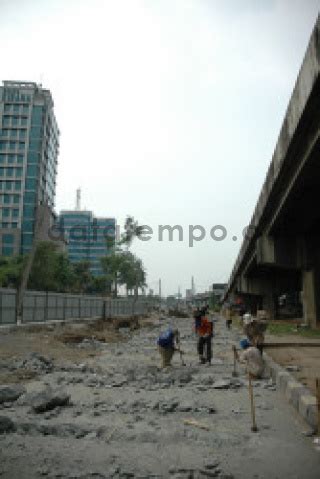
(100, 285)
(132, 230)
(43, 271)
(11, 270)
(83, 276)
(132, 273)
(64, 273)
(112, 265)
(121, 267)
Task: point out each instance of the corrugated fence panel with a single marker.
(39, 306)
(7, 306)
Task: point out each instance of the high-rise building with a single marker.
(29, 146)
(88, 238)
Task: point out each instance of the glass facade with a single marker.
(29, 147)
(87, 237)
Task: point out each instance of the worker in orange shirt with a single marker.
(204, 331)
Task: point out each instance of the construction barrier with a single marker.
(40, 306)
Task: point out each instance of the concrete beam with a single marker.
(279, 252)
(300, 104)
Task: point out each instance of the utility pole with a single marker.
(160, 293)
(78, 199)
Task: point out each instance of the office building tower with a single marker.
(29, 147)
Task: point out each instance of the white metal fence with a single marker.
(39, 306)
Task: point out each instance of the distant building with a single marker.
(218, 290)
(188, 294)
(88, 238)
(29, 147)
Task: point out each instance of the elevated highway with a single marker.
(281, 250)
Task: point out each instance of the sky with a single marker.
(169, 111)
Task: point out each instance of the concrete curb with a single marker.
(296, 393)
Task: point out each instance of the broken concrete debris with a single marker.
(48, 399)
(10, 393)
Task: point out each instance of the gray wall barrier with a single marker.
(39, 306)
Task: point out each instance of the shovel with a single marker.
(234, 372)
(181, 357)
(252, 406)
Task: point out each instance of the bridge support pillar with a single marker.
(310, 297)
(269, 304)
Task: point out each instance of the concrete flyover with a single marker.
(281, 250)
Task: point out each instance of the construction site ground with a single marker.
(302, 361)
(128, 418)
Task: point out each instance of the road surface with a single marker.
(127, 419)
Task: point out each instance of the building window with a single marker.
(7, 199)
(35, 131)
(8, 239)
(30, 197)
(17, 185)
(33, 157)
(32, 170)
(27, 239)
(37, 115)
(35, 144)
(15, 213)
(7, 250)
(31, 184)
(27, 226)
(28, 211)
(16, 199)
(6, 212)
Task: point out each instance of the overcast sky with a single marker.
(169, 110)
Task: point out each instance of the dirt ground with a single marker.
(59, 342)
(128, 418)
(303, 361)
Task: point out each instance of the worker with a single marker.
(204, 331)
(229, 319)
(168, 342)
(247, 318)
(251, 357)
(255, 330)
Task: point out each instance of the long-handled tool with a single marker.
(318, 403)
(234, 372)
(253, 413)
(181, 357)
